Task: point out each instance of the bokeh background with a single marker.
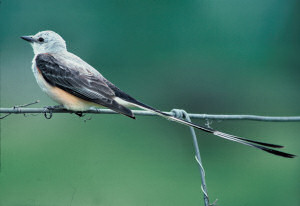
(215, 57)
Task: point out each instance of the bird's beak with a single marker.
(28, 38)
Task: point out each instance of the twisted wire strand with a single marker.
(184, 115)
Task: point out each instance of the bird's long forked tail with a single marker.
(259, 145)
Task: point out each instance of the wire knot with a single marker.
(179, 113)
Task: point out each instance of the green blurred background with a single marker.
(216, 57)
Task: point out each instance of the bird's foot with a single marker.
(80, 114)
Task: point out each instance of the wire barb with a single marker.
(26, 105)
(2, 117)
(208, 123)
(19, 106)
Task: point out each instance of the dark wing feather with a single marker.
(85, 85)
(119, 93)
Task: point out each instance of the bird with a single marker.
(77, 86)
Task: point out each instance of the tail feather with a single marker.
(272, 151)
(259, 145)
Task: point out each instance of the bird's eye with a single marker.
(41, 39)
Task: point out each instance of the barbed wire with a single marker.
(22, 110)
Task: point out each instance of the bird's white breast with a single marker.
(39, 78)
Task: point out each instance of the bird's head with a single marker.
(46, 42)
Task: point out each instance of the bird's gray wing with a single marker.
(72, 78)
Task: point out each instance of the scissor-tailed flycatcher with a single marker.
(76, 85)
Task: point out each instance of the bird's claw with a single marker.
(80, 114)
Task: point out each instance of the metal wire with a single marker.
(184, 115)
(19, 110)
